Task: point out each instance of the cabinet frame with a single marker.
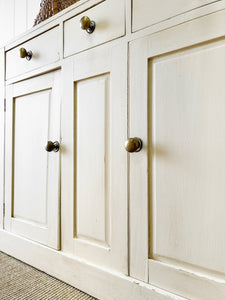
(142, 50)
(95, 62)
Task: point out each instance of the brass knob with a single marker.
(133, 144)
(52, 146)
(87, 24)
(24, 53)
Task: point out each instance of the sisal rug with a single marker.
(19, 281)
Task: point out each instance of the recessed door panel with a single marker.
(177, 186)
(188, 146)
(32, 173)
(93, 170)
(30, 161)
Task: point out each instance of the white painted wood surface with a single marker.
(176, 181)
(6, 21)
(92, 132)
(102, 284)
(93, 225)
(110, 24)
(94, 192)
(42, 53)
(149, 12)
(2, 133)
(16, 16)
(32, 174)
(188, 142)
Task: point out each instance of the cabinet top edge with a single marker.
(54, 21)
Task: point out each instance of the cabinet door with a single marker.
(32, 173)
(177, 181)
(149, 12)
(94, 178)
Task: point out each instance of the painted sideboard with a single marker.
(112, 148)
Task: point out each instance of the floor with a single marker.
(20, 281)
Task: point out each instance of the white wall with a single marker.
(16, 16)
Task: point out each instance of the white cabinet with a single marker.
(94, 165)
(177, 185)
(42, 54)
(118, 225)
(109, 24)
(150, 12)
(32, 174)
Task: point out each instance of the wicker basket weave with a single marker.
(49, 8)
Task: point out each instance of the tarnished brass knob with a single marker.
(87, 24)
(133, 144)
(52, 146)
(24, 53)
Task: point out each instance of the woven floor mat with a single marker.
(19, 281)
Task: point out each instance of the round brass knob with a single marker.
(87, 24)
(52, 146)
(25, 54)
(133, 144)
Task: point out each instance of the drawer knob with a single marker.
(24, 53)
(133, 145)
(87, 24)
(52, 146)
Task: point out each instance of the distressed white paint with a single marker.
(188, 144)
(88, 259)
(29, 157)
(176, 182)
(92, 133)
(42, 54)
(102, 283)
(16, 16)
(32, 174)
(149, 12)
(94, 191)
(110, 24)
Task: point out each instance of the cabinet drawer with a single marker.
(110, 24)
(45, 50)
(149, 12)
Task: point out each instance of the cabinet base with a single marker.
(102, 284)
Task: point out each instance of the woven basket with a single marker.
(49, 8)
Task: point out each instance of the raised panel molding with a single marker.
(93, 169)
(188, 156)
(30, 157)
(32, 192)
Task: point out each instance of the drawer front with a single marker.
(45, 50)
(149, 12)
(109, 17)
